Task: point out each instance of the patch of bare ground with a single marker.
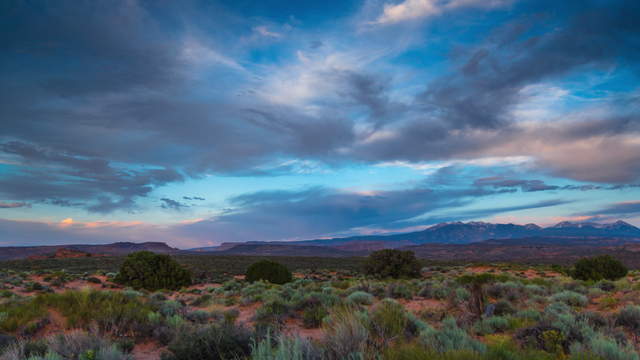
(418, 305)
(247, 313)
(149, 350)
(293, 327)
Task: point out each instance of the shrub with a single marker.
(392, 263)
(270, 271)
(147, 270)
(398, 290)
(629, 317)
(211, 342)
(72, 345)
(94, 280)
(110, 311)
(285, 349)
(598, 268)
(503, 307)
(360, 298)
(450, 338)
(610, 350)
(346, 334)
(492, 325)
(570, 298)
(388, 320)
(170, 308)
(312, 316)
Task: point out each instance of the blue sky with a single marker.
(200, 122)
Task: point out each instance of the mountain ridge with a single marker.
(463, 233)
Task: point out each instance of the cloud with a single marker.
(620, 209)
(264, 31)
(150, 98)
(59, 178)
(13, 205)
(409, 10)
(173, 204)
(524, 185)
(193, 198)
(318, 211)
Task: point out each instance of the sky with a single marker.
(203, 122)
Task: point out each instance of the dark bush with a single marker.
(94, 280)
(6, 340)
(270, 271)
(212, 342)
(147, 270)
(503, 308)
(598, 268)
(392, 263)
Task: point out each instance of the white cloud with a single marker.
(264, 31)
(418, 9)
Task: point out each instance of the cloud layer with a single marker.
(106, 105)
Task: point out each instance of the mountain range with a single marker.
(465, 233)
(470, 241)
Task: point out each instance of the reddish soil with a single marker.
(293, 327)
(147, 351)
(418, 305)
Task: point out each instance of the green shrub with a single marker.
(629, 317)
(17, 314)
(610, 350)
(73, 345)
(598, 268)
(146, 270)
(111, 311)
(392, 263)
(399, 290)
(346, 334)
(492, 325)
(388, 320)
(360, 298)
(285, 349)
(450, 338)
(270, 271)
(570, 298)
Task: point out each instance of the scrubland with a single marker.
(492, 311)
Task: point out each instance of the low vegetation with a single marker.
(487, 312)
